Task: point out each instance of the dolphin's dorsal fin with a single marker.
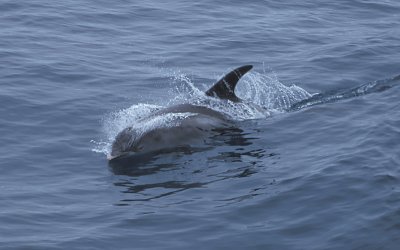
(225, 88)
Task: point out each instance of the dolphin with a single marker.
(193, 122)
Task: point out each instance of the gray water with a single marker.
(312, 163)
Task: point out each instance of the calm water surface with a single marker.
(320, 172)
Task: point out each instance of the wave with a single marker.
(342, 94)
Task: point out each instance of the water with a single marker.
(317, 167)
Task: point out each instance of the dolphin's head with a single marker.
(124, 142)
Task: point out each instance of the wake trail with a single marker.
(342, 94)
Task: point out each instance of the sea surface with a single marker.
(312, 162)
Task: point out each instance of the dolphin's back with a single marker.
(198, 124)
(190, 108)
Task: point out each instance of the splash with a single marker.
(262, 95)
(115, 122)
(140, 118)
(268, 92)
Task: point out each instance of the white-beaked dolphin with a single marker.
(199, 121)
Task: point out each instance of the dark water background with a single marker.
(322, 174)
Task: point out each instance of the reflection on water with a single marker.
(138, 164)
(152, 176)
(175, 186)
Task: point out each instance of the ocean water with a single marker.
(313, 161)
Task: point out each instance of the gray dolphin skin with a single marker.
(198, 124)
